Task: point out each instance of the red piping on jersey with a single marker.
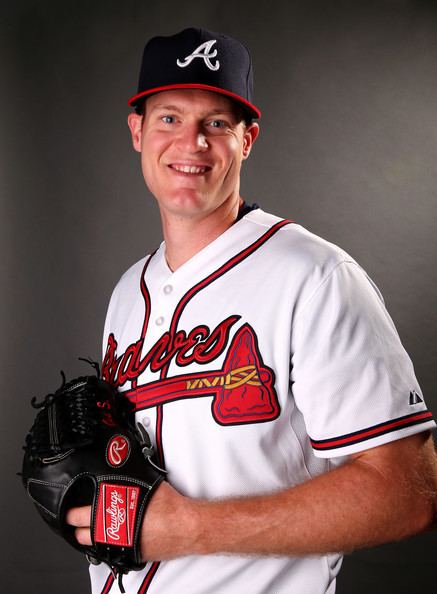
(158, 436)
(177, 314)
(149, 577)
(146, 296)
(147, 307)
(371, 432)
(108, 584)
(234, 261)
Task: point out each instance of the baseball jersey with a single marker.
(263, 361)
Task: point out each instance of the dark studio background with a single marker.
(348, 148)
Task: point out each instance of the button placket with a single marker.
(167, 289)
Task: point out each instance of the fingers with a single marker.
(80, 517)
(83, 536)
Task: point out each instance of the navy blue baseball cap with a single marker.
(197, 59)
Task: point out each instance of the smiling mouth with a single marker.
(196, 169)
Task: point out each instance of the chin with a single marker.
(185, 203)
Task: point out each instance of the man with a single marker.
(260, 359)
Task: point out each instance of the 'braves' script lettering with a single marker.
(199, 346)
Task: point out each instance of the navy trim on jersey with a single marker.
(245, 209)
(371, 432)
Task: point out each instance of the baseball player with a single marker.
(259, 357)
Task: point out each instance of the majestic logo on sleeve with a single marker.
(242, 390)
(204, 52)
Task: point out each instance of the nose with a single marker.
(192, 138)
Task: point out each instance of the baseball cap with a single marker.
(197, 59)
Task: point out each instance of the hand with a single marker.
(169, 527)
(80, 517)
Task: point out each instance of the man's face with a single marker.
(192, 145)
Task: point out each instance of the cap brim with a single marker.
(254, 111)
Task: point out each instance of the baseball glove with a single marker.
(82, 449)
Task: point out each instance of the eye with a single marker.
(167, 119)
(217, 124)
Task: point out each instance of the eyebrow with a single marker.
(158, 106)
(161, 106)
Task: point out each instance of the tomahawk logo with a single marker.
(204, 52)
(242, 390)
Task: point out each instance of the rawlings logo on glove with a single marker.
(118, 451)
(116, 514)
(84, 449)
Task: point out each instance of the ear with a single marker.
(134, 121)
(249, 136)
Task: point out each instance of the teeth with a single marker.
(189, 168)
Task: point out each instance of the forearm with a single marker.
(354, 506)
(381, 495)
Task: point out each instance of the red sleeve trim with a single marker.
(371, 432)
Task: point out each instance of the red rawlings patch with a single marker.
(118, 450)
(116, 512)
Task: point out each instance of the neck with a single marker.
(185, 237)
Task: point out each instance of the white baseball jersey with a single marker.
(260, 363)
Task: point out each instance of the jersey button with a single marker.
(159, 321)
(168, 289)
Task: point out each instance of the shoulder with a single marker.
(303, 265)
(133, 273)
(129, 281)
(297, 250)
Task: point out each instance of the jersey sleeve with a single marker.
(351, 377)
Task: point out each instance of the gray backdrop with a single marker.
(348, 148)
